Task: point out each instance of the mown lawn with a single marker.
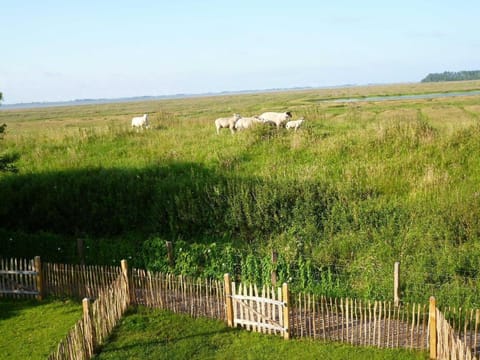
(155, 334)
(31, 330)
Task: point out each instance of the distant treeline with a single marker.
(452, 76)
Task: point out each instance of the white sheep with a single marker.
(275, 117)
(246, 122)
(294, 124)
(227, 123)
(140, 122)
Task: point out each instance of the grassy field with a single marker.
(31, 329)
(360, 186)
(153, 334)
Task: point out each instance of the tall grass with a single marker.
(357, 188)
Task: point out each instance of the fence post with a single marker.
(228, 299)
(38, 268)
(273, 275)
(396, 284)
(171, 259)
(286, 319)
(81, 250)
(126, 278)
(432, 330)
(88, 325)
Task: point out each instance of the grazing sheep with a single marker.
(294, 124)
(276, 117)
(246, 122)
(140, 122)
(227, 123)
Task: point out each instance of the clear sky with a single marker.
(66, 50)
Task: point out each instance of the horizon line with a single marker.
(93, 101)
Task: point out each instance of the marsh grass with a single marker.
(360, 185)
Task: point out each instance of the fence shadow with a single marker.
(11, 308)
(172, 200)
(161, 342)
(99, 201)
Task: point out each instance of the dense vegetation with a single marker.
(359, 187)
(6, 160)
(452, 76)
(154, 334)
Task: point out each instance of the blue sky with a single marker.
(65, 50)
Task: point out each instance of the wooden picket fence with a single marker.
(450, 346)
(77, 281)
(99, 319)
(363, 323)
(180, 294)
(456, 338)
(447, 334)
(27, 278)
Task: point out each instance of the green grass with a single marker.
(359, 187)
(31, 329)
(155, 334)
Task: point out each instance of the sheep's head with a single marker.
(236, 116)
(288, 115)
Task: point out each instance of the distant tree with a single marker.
(6, 160)
(452, 76)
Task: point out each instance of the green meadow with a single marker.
(360, 186)
(32, 329)
(154, 334)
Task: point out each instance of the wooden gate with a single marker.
(20, 278)
(265, 310)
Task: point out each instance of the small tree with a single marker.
(6, 160)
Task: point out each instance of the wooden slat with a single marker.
(323, 315)
(20, 292)
(314, 321)
(400, 314)
(258, 299)
(251, 306)
(268, 307)
(252, 324)
(19, 272)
